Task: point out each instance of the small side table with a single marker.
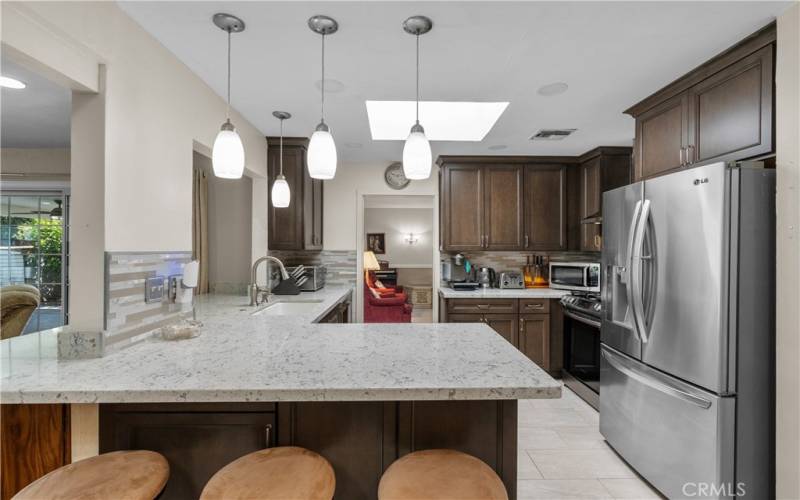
(420, 295)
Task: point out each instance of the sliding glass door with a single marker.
(33, 250)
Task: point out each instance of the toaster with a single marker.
(511, 279)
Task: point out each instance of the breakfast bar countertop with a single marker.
(502, 293)
(241, 356)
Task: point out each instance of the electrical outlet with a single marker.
(154, 289)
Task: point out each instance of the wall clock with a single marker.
(395, 177)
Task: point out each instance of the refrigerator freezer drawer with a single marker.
(680, 438)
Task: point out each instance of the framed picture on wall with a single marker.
(376, 242)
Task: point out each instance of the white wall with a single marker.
(787, 128)
(396, 223)
(49, 161)
(341, 195)
(156, 109)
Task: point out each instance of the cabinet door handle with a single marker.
(521, 325)
(534, 306)
(680, 158)
(689, 154)
(526, 241)
(267, 431)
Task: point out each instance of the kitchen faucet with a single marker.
(254, 288)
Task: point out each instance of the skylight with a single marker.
(443, 121)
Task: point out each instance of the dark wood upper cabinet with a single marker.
(462, 201)
(721, 111)
(662, 136)
(298, 226)
(545, 207)
(601, 170)
(731, 112)
(503, 207)
(503, 203)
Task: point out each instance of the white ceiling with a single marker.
(37, 116)
(612, 54)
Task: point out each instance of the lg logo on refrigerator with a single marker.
(704, 180)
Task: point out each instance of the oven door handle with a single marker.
(583, 319)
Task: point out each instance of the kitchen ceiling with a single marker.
(611, 54)
(37, 116)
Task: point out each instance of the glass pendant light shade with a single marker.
(227, 155)
(417, 157)
(322, 154)
(280, 192)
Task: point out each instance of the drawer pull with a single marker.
(267, 431)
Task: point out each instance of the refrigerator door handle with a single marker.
(625, 272)
(636, 271)
(663, 386)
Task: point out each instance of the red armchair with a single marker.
(386, 307)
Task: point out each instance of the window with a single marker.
(33, 241)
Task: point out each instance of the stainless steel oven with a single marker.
(575, 276)
(582, 318)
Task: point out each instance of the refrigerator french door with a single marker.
(687, 330)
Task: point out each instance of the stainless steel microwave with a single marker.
(577, 276)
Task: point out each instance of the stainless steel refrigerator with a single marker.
(687, 352)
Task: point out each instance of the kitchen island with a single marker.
(360, 394)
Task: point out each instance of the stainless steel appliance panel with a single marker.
(679, 273)
(621, 210)
(674, 434)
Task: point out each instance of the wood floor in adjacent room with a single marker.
(564, 456)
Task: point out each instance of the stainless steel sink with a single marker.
(288, 308)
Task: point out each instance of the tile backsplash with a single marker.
(341, 264)
(128, 318)
(505, 261)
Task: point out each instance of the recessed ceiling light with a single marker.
(354, 145)
(331, 86)
(444, 121)
(11, 83)
(553, 89)
(497, 147)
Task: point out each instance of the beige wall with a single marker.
(787, 127)
(229, 207)
(395, 224)
(52, 161)
(342, 192)
(156, 110)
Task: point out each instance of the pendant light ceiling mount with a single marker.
(228, 22)
(417, 25)
(281, 115)
(323, 25)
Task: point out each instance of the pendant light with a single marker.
(417, 158)
(321, 148)
(227, 155)
(281, 196)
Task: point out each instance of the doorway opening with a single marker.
(34, 197)
(398, 258)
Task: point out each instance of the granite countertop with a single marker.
(245, 357)
(502, 293)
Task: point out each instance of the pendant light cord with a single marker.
(417, 78)
(281, 155)
(228, 101)
(322, 85)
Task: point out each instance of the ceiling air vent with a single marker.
(550, 134)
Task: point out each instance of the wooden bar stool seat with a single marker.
(282, 473)
(440, 475)
(121, 475)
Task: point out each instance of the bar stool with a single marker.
(273, 474)
(121, 475)
(440, 475)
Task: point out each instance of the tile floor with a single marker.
(563, 455)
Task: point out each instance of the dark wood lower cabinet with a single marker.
(360, 439)
(34, 440)
(534, 338)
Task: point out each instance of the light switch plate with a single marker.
(154, 289)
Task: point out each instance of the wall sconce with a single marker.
(411, 239)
